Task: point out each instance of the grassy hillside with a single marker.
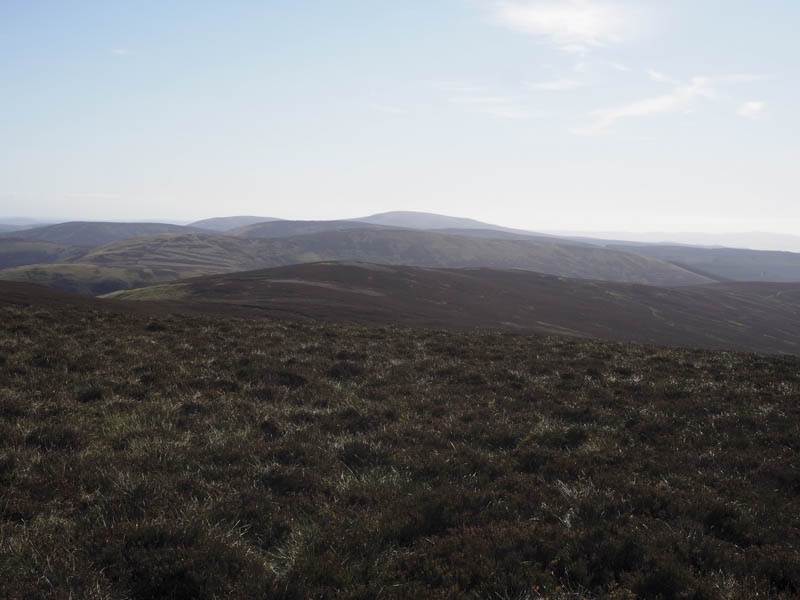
(762, 317)
(142, 261)
(278, 229)
(94, 234)
(91, 279)
(177, 256)
(15, 252)
(418, 248)
(167, 457)
(186, 254)
(725, 264)
(222, 224)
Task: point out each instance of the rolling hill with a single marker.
(426, 249)
(186, 254)
(90, 233)
(779, 242)
(277, 229)
(432, 221)
(222, 224)
(143, 261)
(724, 264)
(756, 317)
(500, 234)
(176, 256)
(90, 279)
(16, 252)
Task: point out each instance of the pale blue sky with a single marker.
(558, 114)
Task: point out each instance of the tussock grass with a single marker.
(200, 457)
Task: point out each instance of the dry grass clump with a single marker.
(193, 457)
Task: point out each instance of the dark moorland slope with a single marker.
(758, 317)
(165, 456)
(91, 233)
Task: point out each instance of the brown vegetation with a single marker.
(747, 316)
(168, 456)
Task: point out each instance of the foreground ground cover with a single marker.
(169, 456)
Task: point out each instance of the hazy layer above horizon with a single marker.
(632, 115)
(431, 221)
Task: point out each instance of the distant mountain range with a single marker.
(97, 257)
(747, 316)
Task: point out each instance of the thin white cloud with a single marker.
(752, 110)
(571, 25)
(681, 99)
(120, 52)
(501, 107)
(661, 78)
(559, 85)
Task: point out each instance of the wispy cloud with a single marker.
(478, 99)
(571, 25)
(559, 85)
(752, 110)
(120, 52)
(501, 107)
(680, 99)
(661, 78)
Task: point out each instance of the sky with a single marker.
(625, 115)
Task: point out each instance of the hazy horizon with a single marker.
(543, 115)
(755, 240)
